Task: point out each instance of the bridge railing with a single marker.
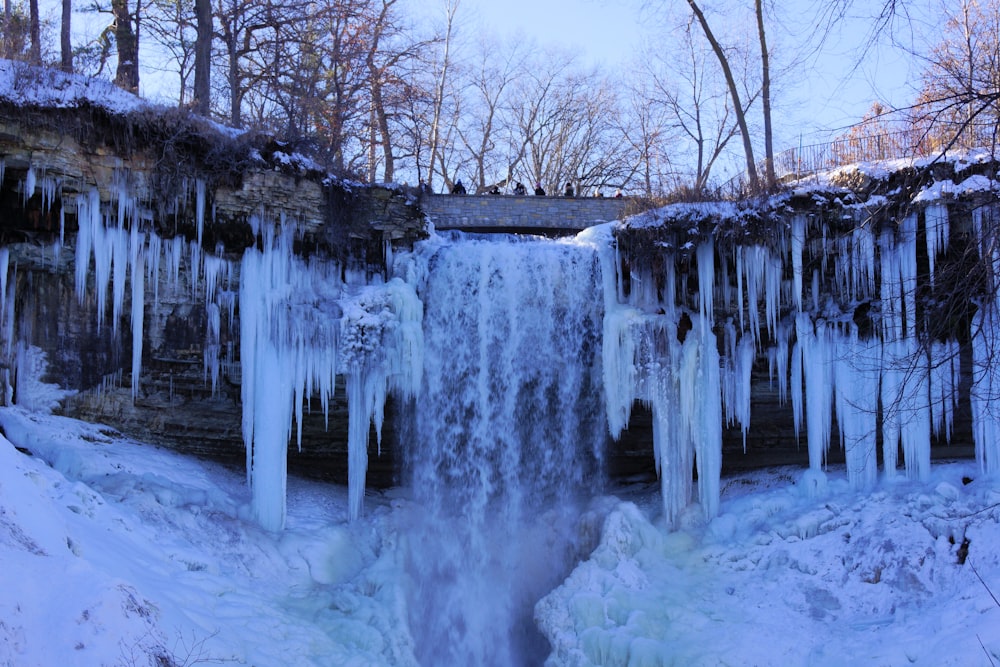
(520, 213)
(810, 159)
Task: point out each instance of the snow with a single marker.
(21, 83)
(115, 551)
(904, 575)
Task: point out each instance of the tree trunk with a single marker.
(734, 93)
(435, 137)
(235, 95)
(202, 57)
(380, 121)
(65, 46)
(127, 41)
(35, 54)
(5, 40)
(765, 93)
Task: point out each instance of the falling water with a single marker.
(508, 429)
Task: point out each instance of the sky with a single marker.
(813, 104)
(816, 102)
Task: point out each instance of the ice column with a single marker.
(985, 394)
(119, 251)
(906, 418)
(676, 372)
(857, 365)
(815, 351)
(299, 327)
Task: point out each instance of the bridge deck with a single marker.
(511, 213)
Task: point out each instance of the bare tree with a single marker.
(203, 57)
(734, 93)
(391, 48)
(568, 121)
(485, 131)
(65, 45)
(959, 103)
(700, 109)
(765, 96)
(35, 52)
(169, 24)
(15, 35)
(127, 42)
(434, 140)
(239, 25)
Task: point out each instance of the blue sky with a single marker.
(811, 106)
(814, 103)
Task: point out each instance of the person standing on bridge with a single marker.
(459, 189)
(539, 191)
(568, 192)
(519, 189)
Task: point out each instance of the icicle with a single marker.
(862, 263)
(88, 216)
(891, 289)
(778, 361)
(856, 382)
(796, 385)
(174, 250)
(28, 190)
(755, 259)
(907, 250)
(4, 272)
(118, 238)
(706, 279)
(49, 187)
(740, 272)
(707, 420)
(798, 244)
(153, 266)
(297, 316)
(986, 388)
(937, 233)
(196, 246)
(211, 353)
(137, 242)
(818, 373)
(619, 367)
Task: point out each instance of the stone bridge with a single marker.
(552, 216)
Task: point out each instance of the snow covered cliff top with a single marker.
(24, 84)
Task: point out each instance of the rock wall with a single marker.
(51, 159)
(63, 155)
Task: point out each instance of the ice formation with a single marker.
(505, 437)
(304, 329)
(985, 340)
(301, 327)
(667, 358)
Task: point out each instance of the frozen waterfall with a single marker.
(506, 438)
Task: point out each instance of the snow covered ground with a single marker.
(116, 553)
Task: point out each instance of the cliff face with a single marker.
(829, 247)
(171, 167)
(201, 192)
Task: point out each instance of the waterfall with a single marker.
(507, 431)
